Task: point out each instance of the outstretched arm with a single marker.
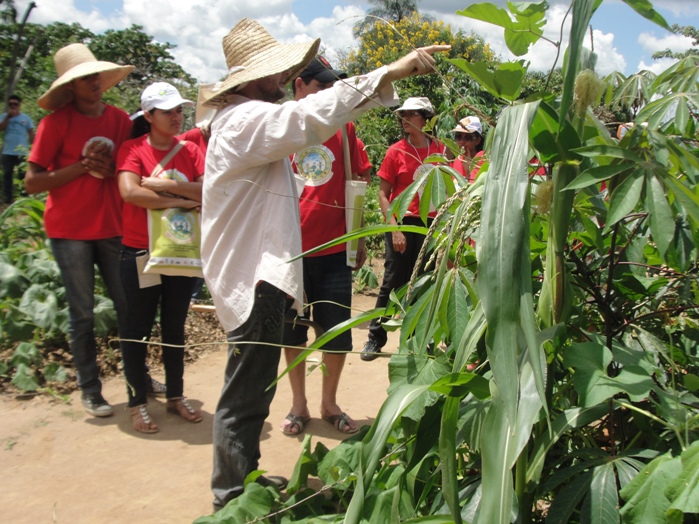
(417, 62)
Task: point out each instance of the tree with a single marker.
(688, 31)
(450, 91)
(387, 10)
(152, 59)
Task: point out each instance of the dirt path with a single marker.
(60, 465)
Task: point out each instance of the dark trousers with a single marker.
(173, 295)
(398, 268)
(245, 398)
(9, 164)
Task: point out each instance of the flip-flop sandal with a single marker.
(296, 421)
(341, 423)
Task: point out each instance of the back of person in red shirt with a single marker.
(73, 159)
(327, 278)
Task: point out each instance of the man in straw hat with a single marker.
(73, 159)
(250, 218)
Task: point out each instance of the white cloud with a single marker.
(674, 42)
(657, 66)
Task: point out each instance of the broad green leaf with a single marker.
(624, 199)
(645, 498)
(683, 491)
(595, 175)
(589, 361)
(554, 142)
(602, 504)
(668, 107)
(662, 220)
(255, 502)
(645, 9)
(26, 353)
(569, 419)
(24, 378)
(412, 369)
(458, 385)
(519, 34)
(504, 81)
(39, 304)
(566, 500)
(13, 283)
(54, 372)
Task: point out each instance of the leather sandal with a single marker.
(141, 421)
(181, 406)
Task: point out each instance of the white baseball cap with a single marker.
(417, 103)
(162, 95)
(469, 124)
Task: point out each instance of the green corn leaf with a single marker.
(447, 454)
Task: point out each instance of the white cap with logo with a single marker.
(160, 95)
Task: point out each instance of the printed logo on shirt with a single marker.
(315, 164)
(179, 226)
(173, 174)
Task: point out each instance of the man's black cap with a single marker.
(321, 70)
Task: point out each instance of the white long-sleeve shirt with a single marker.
(250, 212)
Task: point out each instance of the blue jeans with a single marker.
(76, 259)
(398, 268)
(245, 399)
(173, 295)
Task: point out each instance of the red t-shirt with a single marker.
(402, 165)
(460, 165)
(86, 208)
(138, 156)
(195, 136)
(322, 202)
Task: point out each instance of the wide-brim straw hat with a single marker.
(252, 53)
(76, 61)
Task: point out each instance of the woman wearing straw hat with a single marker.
(250, 218)
(73, 159)
(402, 165)
(152, 174)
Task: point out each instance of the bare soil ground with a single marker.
(61, 465)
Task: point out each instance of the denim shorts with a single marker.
(328, 279)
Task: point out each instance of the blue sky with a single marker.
(624, 40)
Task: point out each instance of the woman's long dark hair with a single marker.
(140, 126)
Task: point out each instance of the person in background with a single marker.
(402, 165)
(327, 278)
(73, 159)
(250, 219)
(468, 135)
(152, 174)
(18, 131)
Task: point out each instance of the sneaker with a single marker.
(95, 405)
(371, 350)
(156, 389)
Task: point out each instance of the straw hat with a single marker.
(76, 61)
(252, 53)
